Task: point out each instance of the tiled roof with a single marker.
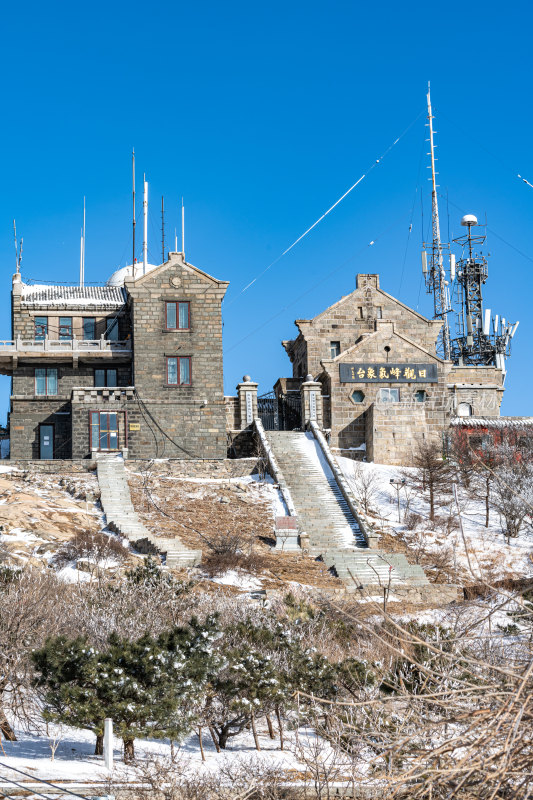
(103, 296)
(492, 422)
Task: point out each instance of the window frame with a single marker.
(105, 385)
(83, 321)
(70, 327)
(334, 345)
(388, 389)
(119, 414)
(178, 360)
(357, 402)
(176, 304)
(45, 326)
(46, 376)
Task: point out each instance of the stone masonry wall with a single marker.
(349, 318)
(178, 421)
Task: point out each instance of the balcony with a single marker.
(14, 351)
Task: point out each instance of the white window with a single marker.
(464, 410)
(389, 396)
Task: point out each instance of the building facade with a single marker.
(133, 366)
(383, 386)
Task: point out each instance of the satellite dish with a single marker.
(468, 220)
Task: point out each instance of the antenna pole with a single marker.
(145, 226)
(436, 278)
(16, 247)
(183, 228)
(83, 248)
(81, 257)
(163, 228)
(133, 182)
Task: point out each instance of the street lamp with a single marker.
(397, 483)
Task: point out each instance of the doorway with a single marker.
(46, 442)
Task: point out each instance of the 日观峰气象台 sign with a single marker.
(388, 373)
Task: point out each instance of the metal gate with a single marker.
(280, 413)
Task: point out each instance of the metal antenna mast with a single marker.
(434, 272)
(133, 176)
(163, 228)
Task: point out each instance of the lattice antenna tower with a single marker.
(432, 256)
(480, 340)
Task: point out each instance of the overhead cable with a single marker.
(329, 210)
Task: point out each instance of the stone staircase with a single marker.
(325, 516)
(123, 519)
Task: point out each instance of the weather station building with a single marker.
(132, 366)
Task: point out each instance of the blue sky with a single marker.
(262, 115)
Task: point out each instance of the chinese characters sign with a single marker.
(388, 373)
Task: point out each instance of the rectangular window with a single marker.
(65, 327)
(379, 312)
(112, 330)
(105, 377)
(335, 349)
(177, 316)
(45, 381)
(360, 312)
(89, 328)
(41, 328)
(179, 371)
(389, 395)
(104, 430)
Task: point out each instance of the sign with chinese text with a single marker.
(388, 373)
(135, 426)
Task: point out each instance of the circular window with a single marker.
(421, 396)
(358, 396)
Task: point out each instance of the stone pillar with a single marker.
(312, 402)
(247, 394)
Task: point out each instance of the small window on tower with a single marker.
(358, 396)
(464, 410)
(421, 396)
(360, 312)
(335, 349)
(389, 396)
(379, 312)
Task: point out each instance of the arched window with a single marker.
(464, 410)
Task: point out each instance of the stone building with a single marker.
(132, 366)
(382, 385)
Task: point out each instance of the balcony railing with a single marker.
(66, 346)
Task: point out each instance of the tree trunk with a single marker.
(7, 731)
(487, 506)
(129, 751)
(256, 740)
(201, 743)
(223, 737)
(431, 501)
(99, 746)
(214, 738)
(270, 728)
(280, 726)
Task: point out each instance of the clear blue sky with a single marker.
(261, 115)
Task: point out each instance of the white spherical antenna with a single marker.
(468, 220)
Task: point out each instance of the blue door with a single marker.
(46, 441)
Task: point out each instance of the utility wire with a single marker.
(310, 289)
(325, 214)
(37, 780)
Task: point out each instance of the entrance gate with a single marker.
(280, 413)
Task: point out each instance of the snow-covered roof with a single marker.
(492, 422)
(75, 296)
(120, 275)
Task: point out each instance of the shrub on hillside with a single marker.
(92, 545)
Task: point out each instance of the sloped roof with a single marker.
(75, 296)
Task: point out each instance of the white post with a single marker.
(108, 743)
(145, 229)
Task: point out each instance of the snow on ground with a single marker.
(490, 555)
(239, 579)
(74, 759)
